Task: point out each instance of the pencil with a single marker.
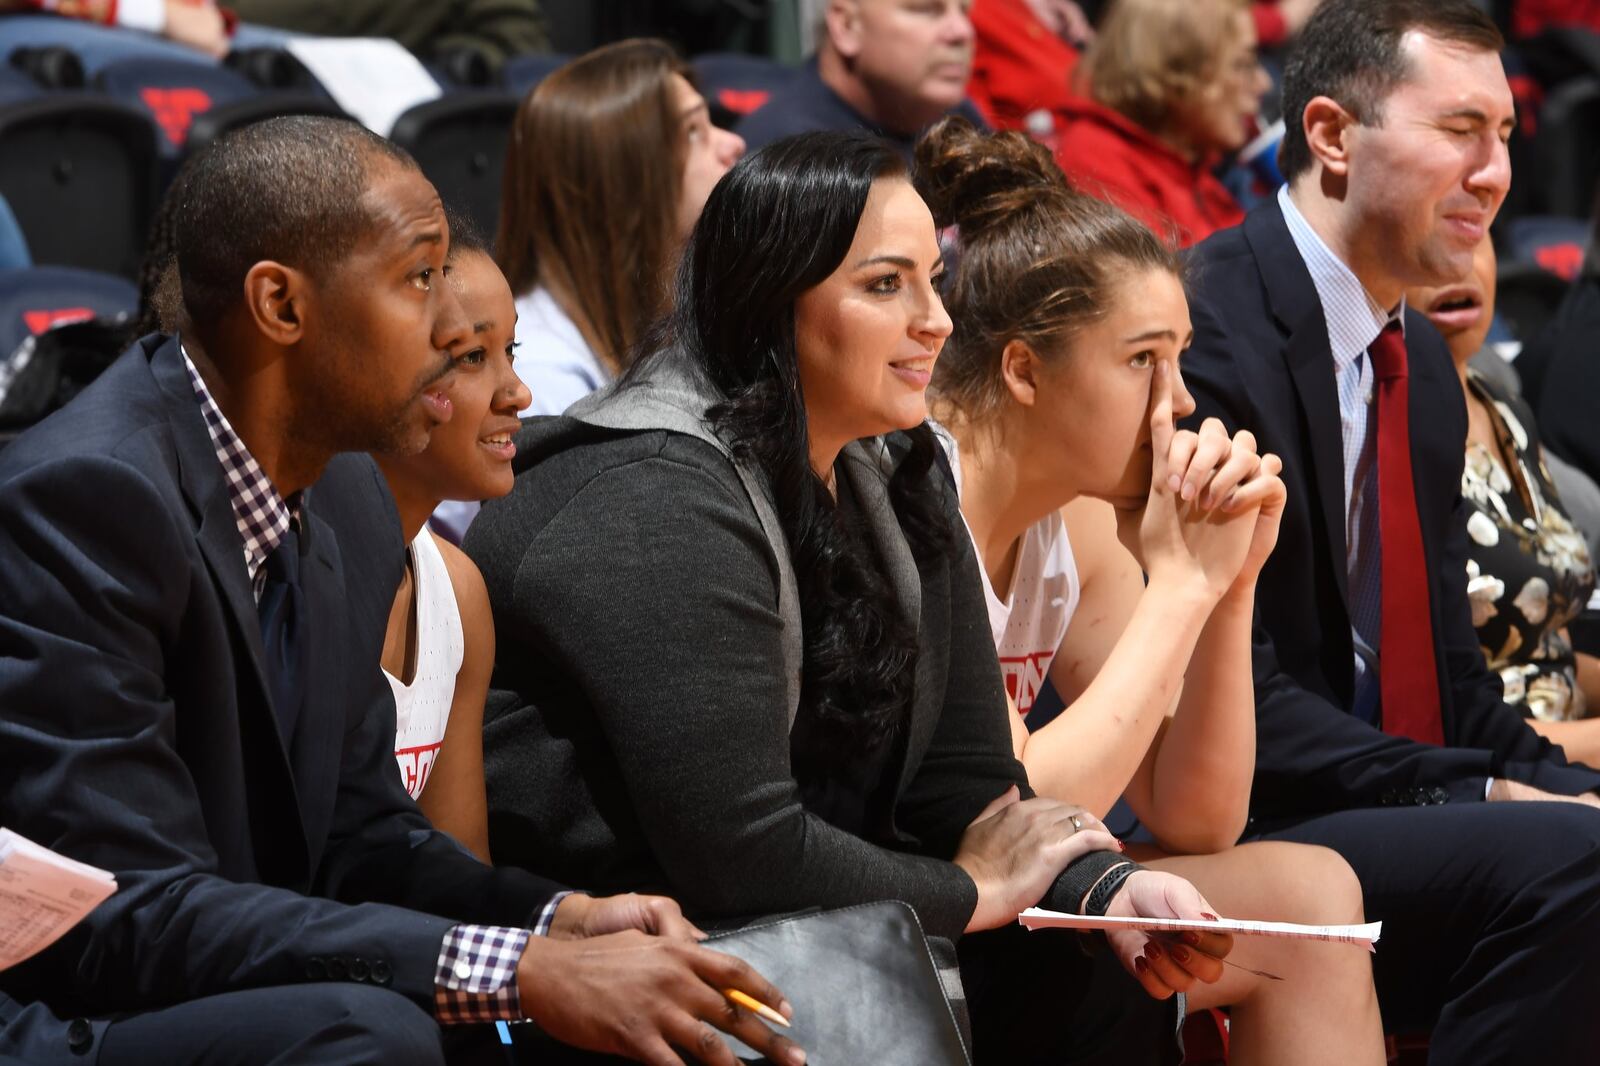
(761, 1009)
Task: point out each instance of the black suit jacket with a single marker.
(1261, 361)
(136, 731)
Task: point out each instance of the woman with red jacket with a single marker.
(1172, 85)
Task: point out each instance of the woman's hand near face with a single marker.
(1184, 534)
(1015, 848)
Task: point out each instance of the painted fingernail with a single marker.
(1180, 953)
(1152, 951)
(1140, 965)
(1121, 846)
(1192, 939)
(1208, 916)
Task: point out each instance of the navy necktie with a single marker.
(280, 615)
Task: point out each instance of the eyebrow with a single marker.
(1153, 335)
(1473, 114)
(690, 111)
(483, 327)
(897, 260)
(432, 236)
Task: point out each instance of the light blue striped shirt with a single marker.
(1354, 321)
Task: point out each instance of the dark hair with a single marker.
(589, 200)
(777, 225)
(160, 295)
(1036, 260)
(465, 236)
(1350, 52)
(287, 189)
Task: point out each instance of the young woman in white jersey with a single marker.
(1058, 392)
(439, 649)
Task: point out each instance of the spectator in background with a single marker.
(1173, 85)
(498, 29)
(888, 66)
(1025, 52)
(611, 159)
(1528, 570)
(200, 24)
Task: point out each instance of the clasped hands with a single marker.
(1212, 514)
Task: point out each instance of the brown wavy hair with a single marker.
(1149, 54)
(1033, 260)
(589, 201)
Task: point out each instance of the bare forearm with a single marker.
(1205, 759)
(1090, 752)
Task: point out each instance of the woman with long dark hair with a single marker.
(743, 653)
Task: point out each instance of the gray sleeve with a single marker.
(655, 588)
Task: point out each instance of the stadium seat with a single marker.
(45, 301)
(173, 92)
(212, 124)
(95, 46)
(1527, 297)
(15, 85)
(79, 171)
(735, 85)
(1552, 243)
(1569, 147)
(521, 73)
(460, 143)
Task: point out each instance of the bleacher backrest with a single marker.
(35, 300)
(79, 171)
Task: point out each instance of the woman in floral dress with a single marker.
(1528, 572)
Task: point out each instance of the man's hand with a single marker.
(198, 24)
(643, 996)
(1503, 791)
(1166, 965)
(579, 916)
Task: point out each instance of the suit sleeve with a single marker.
(92, 620)
(1312, 756)
(670, 627)
(381, 847)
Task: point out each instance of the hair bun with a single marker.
(972, 178)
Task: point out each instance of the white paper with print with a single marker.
(1364, 935)
(42, 895)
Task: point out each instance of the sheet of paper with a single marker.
(373, 78)
(42, 895)
(1364, 935)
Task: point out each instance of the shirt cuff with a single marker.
(541, 927)
(147, 15)
(476, 978)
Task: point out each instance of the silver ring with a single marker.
(1077, 824)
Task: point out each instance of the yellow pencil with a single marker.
(750, 1003)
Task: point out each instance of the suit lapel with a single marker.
(202, 481)
(1309, 358)
(318, 742)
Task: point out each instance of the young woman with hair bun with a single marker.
(1056, 395)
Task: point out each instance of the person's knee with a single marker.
(1312, 884)
(379, 1026)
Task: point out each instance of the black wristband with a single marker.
(1099, 897)
(1073, 883)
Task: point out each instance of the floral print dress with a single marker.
(1528, 569)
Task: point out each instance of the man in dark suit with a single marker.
(193, 594)
(1380, 732)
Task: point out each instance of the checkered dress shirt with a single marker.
(476, 975)
(1354, 321)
